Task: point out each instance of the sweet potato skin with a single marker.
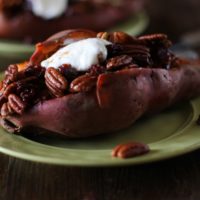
(118, 100)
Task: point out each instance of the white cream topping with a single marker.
(48, 9)
(80, 55)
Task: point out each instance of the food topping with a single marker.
(58, 68)
(48, 9)
(80, 55)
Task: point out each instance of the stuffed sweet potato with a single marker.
(129, 77)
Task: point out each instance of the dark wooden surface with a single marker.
(177, 178)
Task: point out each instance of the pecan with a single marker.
(122, 38)
(6, 110)
(10, 89)
(135, 49)
(16, 104)
(117, 37)
(118, 61)
(83, 83)
(129, 150)
(156, 38)
(56, 82)
(10, 75)
(103, 35)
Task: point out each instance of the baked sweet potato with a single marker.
(117, 99)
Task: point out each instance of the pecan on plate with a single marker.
(55, 82)
(130, 149)
(83, 83)
(118, 61)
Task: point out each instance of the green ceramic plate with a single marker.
(170, 133)
(12, 52)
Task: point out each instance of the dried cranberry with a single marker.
(28, 94)
(114, 49)
(97, 69)
(69, 72)
(37, 71)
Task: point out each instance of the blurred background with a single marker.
(174, 17)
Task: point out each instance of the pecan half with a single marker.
(56, 82)
(10, 75)
(16, 104)
(122, 38)
(83, 83)
(118, 61)
(6, 110)
(103, 35)
(117, 37)
(155, 38)
(10, 89)
(129, 150)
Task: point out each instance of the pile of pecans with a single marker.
(22, 89)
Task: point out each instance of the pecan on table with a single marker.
(55, 82)
(83, 83)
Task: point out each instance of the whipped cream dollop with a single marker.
(48, 9)
(80, 55)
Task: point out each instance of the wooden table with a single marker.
(177, 178)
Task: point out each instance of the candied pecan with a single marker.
(129, 150)
(10, 75)
(118, 61)
(156, 39)
(135, 49)
(83, 83)
(16, 104)
(56, 82)
(122, 38)
(6, 110)
(10, 89)
(103, 35)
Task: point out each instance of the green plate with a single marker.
(13, 52)
(170, 133)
